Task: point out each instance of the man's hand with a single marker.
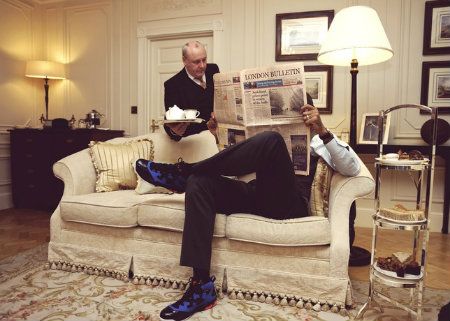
(212, 124)
(178, 128)
(311, 117)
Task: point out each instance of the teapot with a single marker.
(175, 113)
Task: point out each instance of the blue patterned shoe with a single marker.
(198, 297)
(170, 176)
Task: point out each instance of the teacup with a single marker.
(175, 113)
(191, 113)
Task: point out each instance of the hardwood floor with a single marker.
(24, 229)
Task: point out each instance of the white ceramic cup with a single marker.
(191, 113)
(175, 113)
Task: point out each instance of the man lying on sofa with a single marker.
(276, 193)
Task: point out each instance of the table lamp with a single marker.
(356, 37)
(45, 70)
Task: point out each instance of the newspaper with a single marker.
(261, 99)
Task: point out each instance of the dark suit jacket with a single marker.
(180, 90)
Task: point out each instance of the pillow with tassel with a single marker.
(114, 163)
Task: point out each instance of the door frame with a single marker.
(146, 36)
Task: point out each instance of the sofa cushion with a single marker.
(311, 230)
(113, 163)
(118, 208)
(167, 212)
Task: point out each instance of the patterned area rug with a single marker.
(30, 292)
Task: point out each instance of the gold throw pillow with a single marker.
(320, 190)
(114, 163)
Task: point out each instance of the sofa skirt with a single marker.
(299, 276)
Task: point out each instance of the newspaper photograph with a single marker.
(261, 99)
(296, 136)
(273, 92)
(229, 135)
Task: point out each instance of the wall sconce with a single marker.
(45, 70)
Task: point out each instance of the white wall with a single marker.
(101, 41)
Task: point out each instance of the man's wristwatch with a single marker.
(327, 137)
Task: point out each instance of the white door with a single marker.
(165, 62)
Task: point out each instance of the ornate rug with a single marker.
(28, 291)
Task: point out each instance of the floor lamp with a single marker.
(356, 38)
(45, 70)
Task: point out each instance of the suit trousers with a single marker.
(208, 191)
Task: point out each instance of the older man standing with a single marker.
(191, 88)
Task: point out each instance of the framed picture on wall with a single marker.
(319, 85)
(435, 91)
(436, 32)
(299, 35)
(369, 129)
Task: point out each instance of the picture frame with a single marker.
(319, 85)
(435, 88)
(299, 35)
(436, 32)
(369, 129)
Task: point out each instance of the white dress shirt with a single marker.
(196, 80)
(338, 154)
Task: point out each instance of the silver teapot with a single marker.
(92, 119)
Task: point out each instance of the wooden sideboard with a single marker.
(33, 153)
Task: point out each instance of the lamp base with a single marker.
(359, 256)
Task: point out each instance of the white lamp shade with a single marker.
(355, 33)
(45, 69)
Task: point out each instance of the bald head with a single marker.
(194, 58)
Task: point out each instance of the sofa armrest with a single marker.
(343, 192)
(77, 172)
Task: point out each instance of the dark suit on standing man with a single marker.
(182, 91)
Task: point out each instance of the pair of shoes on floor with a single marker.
(170, 176)
(198, 297)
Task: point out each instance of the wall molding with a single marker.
(69, 14)
(152, 10)
(21, 5)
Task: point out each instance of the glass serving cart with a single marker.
(422, 173)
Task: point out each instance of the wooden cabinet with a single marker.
(33, 153)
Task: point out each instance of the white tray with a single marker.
(392, 274)
(184, 120)
(400, 221)
(388, 161)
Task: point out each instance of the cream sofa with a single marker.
(302, 262)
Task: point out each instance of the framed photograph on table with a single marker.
(436, 32)
(435, 91)
(319, 85)
(299, 35)
(369, 129)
